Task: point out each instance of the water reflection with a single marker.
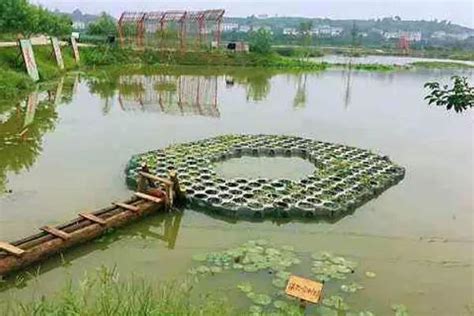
(163, 228)
(23, 126)
(175, 95)
(299, 100)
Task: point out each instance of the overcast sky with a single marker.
(457, 11)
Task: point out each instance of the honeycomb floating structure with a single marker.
(344, 178)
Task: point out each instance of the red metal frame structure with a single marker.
(404, 44)
(138, 26)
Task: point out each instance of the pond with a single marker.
(64, 151)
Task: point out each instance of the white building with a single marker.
(244, 28)
(78, 25)
(229, 27)
(411, 36)
(290, 31)
(327, 31)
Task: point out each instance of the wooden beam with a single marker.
(156, 178)
(93, 218)
(148, 197)
(11, 249)
(129, 207)
(56, 232)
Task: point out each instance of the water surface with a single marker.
(64, 150)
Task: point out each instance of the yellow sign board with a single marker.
(304, 289)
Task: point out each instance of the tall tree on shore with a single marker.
(306, 37)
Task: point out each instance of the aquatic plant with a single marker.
(345, 178)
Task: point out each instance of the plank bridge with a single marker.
(86, 226)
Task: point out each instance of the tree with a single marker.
(105, 25)
(18, 16)
(460, 96)
(261, 41)
(304, 31)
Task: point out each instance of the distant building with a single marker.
(290, 31)
(262, 16)
(327, 31)
(79, 25)
(263, 27)
(229, 27)
(411, 36)
(244, 28)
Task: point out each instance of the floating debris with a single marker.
(345, 177)
(370, 274)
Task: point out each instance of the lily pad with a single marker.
(351, 288)
(200, 257)
(400, 309)
(280, 304)
(280, 283)
(255, 310)
(259, 299)
(335, 301)
(245, 287)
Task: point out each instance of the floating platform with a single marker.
(87, 226)
(344, 179)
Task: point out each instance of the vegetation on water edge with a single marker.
(106, 294)
(14, 82)
(440, 65)
(460, 97)
(100, 56)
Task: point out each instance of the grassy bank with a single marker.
(104, 293)
(14, 82)
(100, 56)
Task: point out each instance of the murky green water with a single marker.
(265, 167)
(67, 155)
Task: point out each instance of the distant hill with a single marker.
(387, 24)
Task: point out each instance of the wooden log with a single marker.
(11, 249)
(56, 232)
(148, 197)
(52, 245)
(129, 207)
(166, 182)
(178, 194)
(93, 218)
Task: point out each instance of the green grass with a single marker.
(14, 81)
(100, 56)
(440, 65)
(105, 293)
(370, 67)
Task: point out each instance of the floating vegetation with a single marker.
(327, 266)
(370, 274)
(337, 302)
(400, 309)
(345, 177)
(351, 288)
(278, 263)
